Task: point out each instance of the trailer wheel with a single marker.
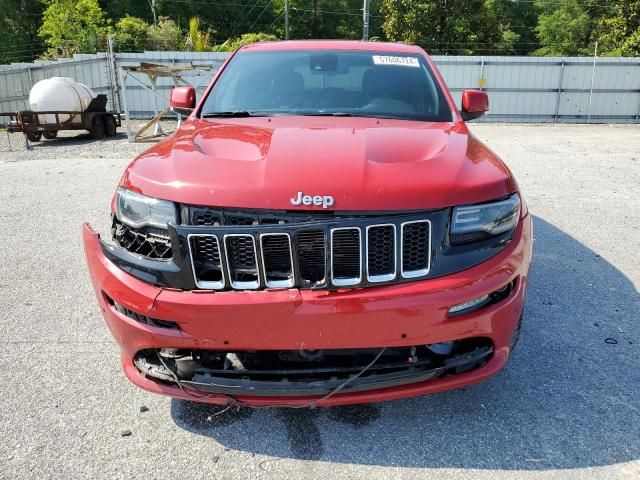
(50, 135)
(34, 136)
(97, 128)
(109, 125)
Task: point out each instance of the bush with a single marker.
(233, 44)
(130, 34)
(164, 36)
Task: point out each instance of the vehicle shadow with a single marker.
(79, 139)
(568, 397)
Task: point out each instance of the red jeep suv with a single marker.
(322, 229)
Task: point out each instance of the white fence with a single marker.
(521, 89)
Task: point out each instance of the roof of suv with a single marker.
(333, 45)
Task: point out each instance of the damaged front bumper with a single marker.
(309, 373)
(176, 342)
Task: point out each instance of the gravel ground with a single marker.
(566, 406)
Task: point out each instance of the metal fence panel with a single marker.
(523, 89)
(543, 89)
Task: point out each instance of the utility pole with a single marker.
(365, 20)
(314, 27)
(152, 4)
(286, 19)
(593, 77)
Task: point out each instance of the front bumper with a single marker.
(387, 316)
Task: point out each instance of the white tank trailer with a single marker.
(61, 103)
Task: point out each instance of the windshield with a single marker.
(341, 83)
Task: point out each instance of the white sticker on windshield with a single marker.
(398, 61)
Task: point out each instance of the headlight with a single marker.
(138, 211)
(471, 223)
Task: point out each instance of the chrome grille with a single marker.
(324, 255)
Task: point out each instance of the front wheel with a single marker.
(34, 136)
(97, 128)
(50, 135)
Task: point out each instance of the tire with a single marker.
(109, 125)
(34, 136)
(50, 135)
(97, 128)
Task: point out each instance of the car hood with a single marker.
(364, 163)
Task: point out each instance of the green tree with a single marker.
(451, 27)
(117, 9)
(130, 34)
(516, 22)
(619, 34)
(18, 30)
(164, 36)
(72, 26)
(567, 27)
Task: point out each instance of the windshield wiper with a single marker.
(329, 114)
(232, 114)
(366, 115)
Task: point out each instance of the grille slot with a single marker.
(242, 260)
(205, 218)
(277, 260)
(416, 248)
(310, 250)
(346, 257)
(206, 261)
(381, 252)
(239, 220)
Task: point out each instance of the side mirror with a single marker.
(183, 100)
(475, 103)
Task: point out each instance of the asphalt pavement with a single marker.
(566, 406)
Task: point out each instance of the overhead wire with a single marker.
(261, 13)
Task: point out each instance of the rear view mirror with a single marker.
(325, 62)
(183, 100)
(475, 103)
